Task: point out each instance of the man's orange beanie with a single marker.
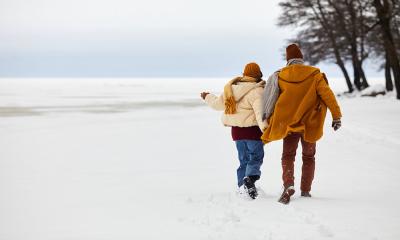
(293, 51)
(252, 70)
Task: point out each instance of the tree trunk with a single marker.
(345, 74)
(360, 80)
(364, 83)
(351, 35)
(384, 16)
(354, 43)
(356, 75)
(324, 23)
(395, 65)
(388, 75)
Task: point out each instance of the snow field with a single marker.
(81, 160)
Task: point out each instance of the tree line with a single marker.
(348, 31)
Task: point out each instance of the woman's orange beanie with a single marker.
(252, 70)
(293, 51)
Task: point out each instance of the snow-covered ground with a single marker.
(145, 159)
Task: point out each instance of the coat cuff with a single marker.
(336, 114)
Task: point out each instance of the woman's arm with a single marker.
(256, 105)
(217, 103)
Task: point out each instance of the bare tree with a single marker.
(348, 30)
(318, 36)
(385, 11)
(350, 17)
(375, 47)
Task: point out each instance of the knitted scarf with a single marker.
(271, 90)
(295, 61)
(229, 99)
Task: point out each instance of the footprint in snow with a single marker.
(324, 231)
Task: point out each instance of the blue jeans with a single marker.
(251, 154)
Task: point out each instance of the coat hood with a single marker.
(240, 89)
(297, 73)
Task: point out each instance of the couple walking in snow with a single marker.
(291, 105)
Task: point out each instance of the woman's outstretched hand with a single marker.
(203, 95)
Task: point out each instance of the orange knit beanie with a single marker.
(252, 70)
(293, 51)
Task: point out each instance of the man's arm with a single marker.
(326, 94)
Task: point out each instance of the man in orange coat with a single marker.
(299, 115)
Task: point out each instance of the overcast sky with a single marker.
(146, 38)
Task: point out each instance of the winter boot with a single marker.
(305, 194)
(250, 187)
(287, 193)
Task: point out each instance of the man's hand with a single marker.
(203, 95)
(336, 124)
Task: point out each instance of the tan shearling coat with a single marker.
(248, 97)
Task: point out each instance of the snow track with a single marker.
(227, 216)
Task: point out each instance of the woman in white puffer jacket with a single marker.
(241, 103)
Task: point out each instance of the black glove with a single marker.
(336, 124)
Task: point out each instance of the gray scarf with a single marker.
(271, 90)
(295, 61)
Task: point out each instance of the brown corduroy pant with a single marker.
(290, 144)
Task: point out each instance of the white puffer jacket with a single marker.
(248, 96)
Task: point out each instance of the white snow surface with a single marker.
(146, 159)
(378, 88)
